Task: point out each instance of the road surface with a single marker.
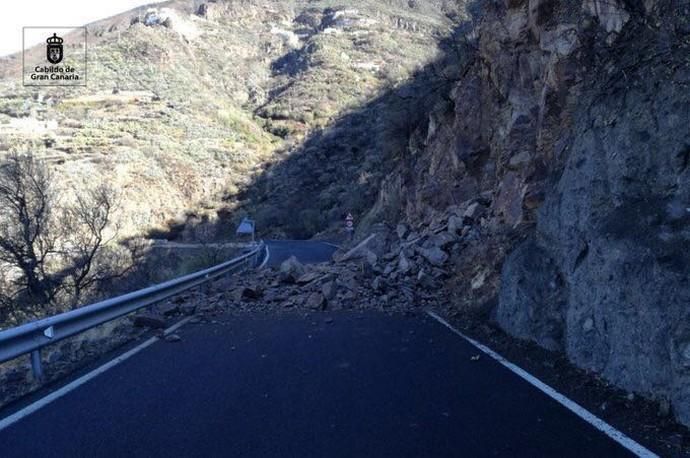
(304, 251)
(336, 384)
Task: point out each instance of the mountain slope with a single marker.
(187, 101)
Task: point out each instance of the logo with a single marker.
(44, 60)
(54, 49)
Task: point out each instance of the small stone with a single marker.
(316, 301)
(15, 376)
(472, 211)
(455, 224)
(664, 408)
(519, 160)
(149, 320)
(54, 357)
(425, 280)
(248, 293)
(173, 338)
(404, 265)
(328, 320)
(328, 290)
(434, 256)
(588, 325)
(169, 309)
(402, 231)
(188, 309)
(308, 278)
(377, 284)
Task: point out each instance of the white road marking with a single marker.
(268, 255)
(569, 404)
(28, 410)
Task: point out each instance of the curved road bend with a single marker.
(306, 251)
(329, 384)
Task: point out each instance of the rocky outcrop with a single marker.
(606, 277)
(568, 125)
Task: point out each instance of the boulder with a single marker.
(290, 270)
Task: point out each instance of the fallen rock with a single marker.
(250, 293)
(404, 265)
(473, 212)
(316, 301)
(308, 278)
(434, 256)
(169, 309)
(290, 270)
(328, 290)
(455, 224)
(188, 309)
(173, 338)
(425, 280)
(377, 284)
(442, 240)
(150, 320)
(402, 230)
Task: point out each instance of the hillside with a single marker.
(186, 102)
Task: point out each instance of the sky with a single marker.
(17, 14)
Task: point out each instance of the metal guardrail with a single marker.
(31, 337)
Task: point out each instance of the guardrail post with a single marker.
(36, 366)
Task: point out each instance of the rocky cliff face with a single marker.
(566, 137)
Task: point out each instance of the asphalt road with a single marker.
(345, 384)
(304, 251)
(363, 385)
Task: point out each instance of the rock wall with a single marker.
(569, 122)
(613, 237)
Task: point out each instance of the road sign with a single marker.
(350, 224)
(246, 227)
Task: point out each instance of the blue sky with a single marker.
(17, 14)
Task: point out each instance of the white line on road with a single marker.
(268, 255)
(569, 404)
(31, 408)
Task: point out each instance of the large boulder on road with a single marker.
(291, 270)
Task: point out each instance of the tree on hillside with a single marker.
(27, 239)
(52, 252)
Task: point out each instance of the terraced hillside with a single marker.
(186, 103)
